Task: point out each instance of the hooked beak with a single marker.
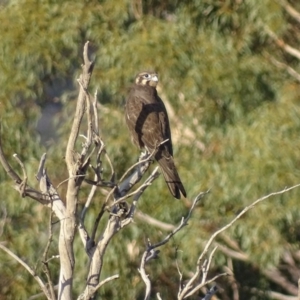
(154, 78)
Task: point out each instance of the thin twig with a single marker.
(88, 202)
(108, 279)
(206, 269)
(145, 277)
(184, 221)
(179, 272)
(97, 221)
(212, 238)
(150, 250)
(140, 189)
(41, 167)
(68, 225)
(112, 177)
(88, 140)
(246, 209)
(66, 180)
(158, 296)
(132, 209)
(95, 110)
(29, 269)
(200, 285)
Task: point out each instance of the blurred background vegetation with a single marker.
(231, 85)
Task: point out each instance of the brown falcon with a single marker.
(148, 123)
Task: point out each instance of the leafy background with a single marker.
(235, 118)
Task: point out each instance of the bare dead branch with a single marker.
(158, 296)
(134, 178)
(90, 114)
(97, 221)
(141, 190)
(41, 167)
(112, 177)
(149, 248)
(108, 279)
(103, 207)
(87, 69)
(93, 290)
(92, 117)
(68, 224)
(184, 221)
(95, 110)
(88, 202)
(246, 209)
(144, 157)
(145, 276)
(29, 269)
(187, 288)
(180, 273)
(98, 181)
(42, 177)
(112, 227)
(199, 286)
(205, 268)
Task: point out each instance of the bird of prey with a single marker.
(148, 123)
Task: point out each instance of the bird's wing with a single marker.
(149, 125)
(165, 127)
(133, 108)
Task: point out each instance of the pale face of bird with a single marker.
(147, 78)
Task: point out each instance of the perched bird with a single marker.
(148, 123)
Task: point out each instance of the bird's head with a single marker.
(147, 78)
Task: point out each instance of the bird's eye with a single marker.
(146, 75)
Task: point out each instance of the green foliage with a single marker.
(211, 58)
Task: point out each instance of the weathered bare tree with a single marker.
(91, 155)
(121, 212)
